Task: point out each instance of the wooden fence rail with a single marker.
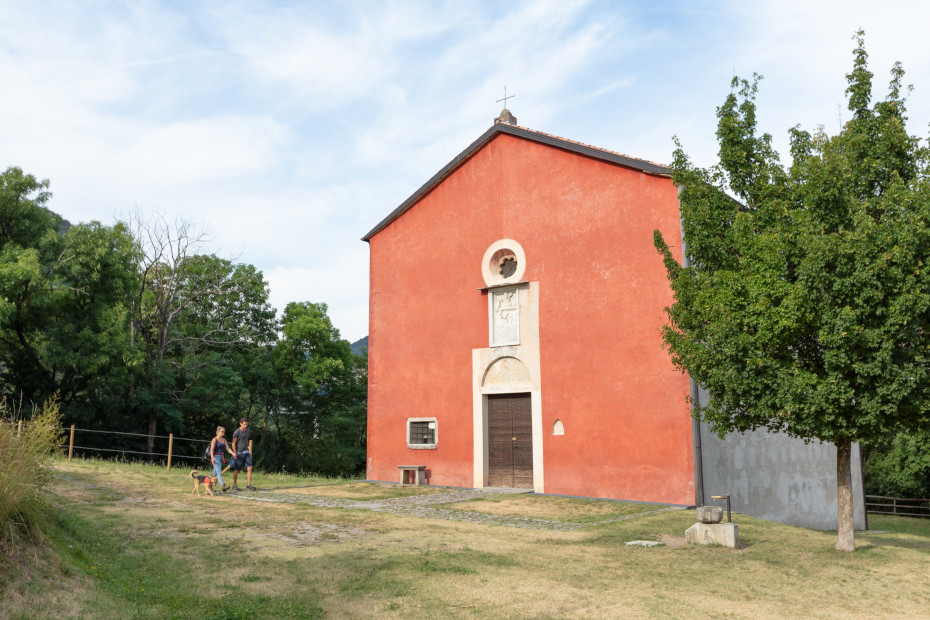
(194, 451)
(123, 452)
(899, 506)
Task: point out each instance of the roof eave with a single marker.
(434, 180)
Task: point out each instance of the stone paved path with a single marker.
(428, 506)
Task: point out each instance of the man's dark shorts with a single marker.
(242, 461)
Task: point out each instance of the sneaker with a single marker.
(236, 488)
(250, 488)
(225, 488)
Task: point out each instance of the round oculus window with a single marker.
(504, 262)
(508, 265)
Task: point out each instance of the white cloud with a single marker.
(292, 129)
(333, 282)
(206, 150)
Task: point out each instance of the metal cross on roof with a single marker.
(505, 97)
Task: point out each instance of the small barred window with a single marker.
(421, 433)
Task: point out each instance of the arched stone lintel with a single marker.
(506, 371)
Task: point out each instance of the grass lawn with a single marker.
(900, 525)
(129, 541)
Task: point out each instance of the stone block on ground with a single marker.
(643, 543)
(724, 534)
(709, 514)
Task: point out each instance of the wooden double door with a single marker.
(510, 441)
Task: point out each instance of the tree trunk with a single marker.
(153, 426)
(845, 528)
(300, 441)
(261, 442)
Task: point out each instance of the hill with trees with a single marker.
(139, 329)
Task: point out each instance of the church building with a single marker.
(516, 301)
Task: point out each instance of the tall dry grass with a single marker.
(25, 469)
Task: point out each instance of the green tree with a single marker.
(899, 467)
(28, 237)
(134, 324)
(190, 312)
(805, 305)
(319, 412)
(63, 312)
(88, 326)
(224, 336)
(261, 386)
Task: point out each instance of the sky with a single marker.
(289, 129)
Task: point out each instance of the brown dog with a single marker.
(206, 481)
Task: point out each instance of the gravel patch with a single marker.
(424, 506)
(421, 506)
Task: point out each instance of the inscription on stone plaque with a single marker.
(505, 317)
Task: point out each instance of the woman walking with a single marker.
(218, 448)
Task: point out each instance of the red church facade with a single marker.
(515, 307)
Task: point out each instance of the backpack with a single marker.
(206, 456)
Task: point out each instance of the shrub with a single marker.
(25, 466)
(900, 468)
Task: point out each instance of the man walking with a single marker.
(243, 460)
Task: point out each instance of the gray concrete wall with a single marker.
(778, 478)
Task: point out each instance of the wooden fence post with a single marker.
(170, 444)
(71, 443)
(19, 429)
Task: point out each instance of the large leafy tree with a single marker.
(63, 294)
(189, 313)
(319, 400)
(899, 467)
(28, 239)
(223, 344)
(805, 305)
(87, 320)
